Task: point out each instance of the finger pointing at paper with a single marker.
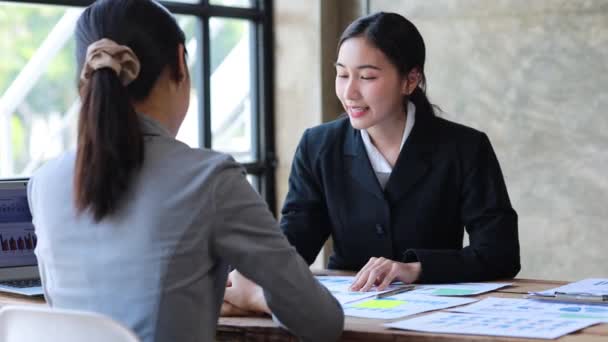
(381, 272)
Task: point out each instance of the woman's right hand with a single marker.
(229, 310)
(381, 272)
(243, 297)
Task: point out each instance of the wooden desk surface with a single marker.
(254, 329)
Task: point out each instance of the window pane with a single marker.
(189, 130)
(38, 99)
(254, 181)
(231, 74)
(233, 3)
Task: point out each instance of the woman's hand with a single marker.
(243, 297)
(382, 272)
(229, 310)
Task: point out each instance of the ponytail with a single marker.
(421, 101)
(122, 48)
(110, 145)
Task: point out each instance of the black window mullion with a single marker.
(256, 168)
(264, 79)
(205, 111)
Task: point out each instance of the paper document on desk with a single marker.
(401, 305)
(338, 286)
(458, 289)
(592, 286)
(527, 307)
(493, 325)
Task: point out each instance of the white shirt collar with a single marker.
(379, 163)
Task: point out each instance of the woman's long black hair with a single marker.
(110, 145)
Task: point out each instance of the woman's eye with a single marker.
(368, 77)
(342, 76)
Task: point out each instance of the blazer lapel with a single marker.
(358, 165)
(414, 160)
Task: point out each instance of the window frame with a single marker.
(263, 168)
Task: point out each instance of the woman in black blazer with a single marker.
(394, 185)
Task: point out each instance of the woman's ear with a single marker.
(182, 63)
(411, 81)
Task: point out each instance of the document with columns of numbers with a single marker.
(531, 326)
(520, 306)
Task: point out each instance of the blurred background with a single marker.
(531, 74)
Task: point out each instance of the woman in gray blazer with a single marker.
(137, 225)
(394, 185)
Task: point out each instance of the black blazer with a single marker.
(446, 179)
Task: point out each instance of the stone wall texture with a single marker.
(533, 75)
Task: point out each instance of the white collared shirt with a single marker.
(381, 166)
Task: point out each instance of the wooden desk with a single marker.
(253, 329)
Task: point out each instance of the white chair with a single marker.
(39, 323)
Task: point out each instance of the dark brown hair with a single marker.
(401, 43)
(110, 145)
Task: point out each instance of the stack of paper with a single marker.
(515, 317)
(589, 291)
(592, 286)
(400, 305)
(493, 325)
(422, 299)
(460, 289)
(524, 307)
(339, 288)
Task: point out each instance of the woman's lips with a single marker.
(357, 112)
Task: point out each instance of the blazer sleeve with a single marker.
(246, 235)
(305, 220)
(490, 221)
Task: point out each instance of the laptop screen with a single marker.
(17, 238)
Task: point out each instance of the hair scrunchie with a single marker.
(106, 53)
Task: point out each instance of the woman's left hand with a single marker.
(382, 272)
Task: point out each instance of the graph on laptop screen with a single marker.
(17, 238)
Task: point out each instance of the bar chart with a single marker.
(14, 243)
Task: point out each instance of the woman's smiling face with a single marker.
(368, 84)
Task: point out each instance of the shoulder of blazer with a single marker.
(449, 132)
(459, 143)
(327, 136)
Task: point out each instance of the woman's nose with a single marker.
(351, 90)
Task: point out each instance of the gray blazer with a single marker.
(159, 265)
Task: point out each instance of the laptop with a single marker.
(18, 264)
